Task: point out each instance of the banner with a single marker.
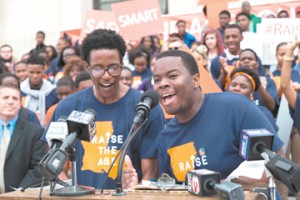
(95, 19)
(138, 18)
(274, 31)
(262, 9)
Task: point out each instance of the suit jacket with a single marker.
(24, 152)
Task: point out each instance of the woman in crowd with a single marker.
(213, 41)
(64, 58)
(200, 54)
(74, 66)
(245, 81)
(140, 58)
(51, 51)
(148, 42)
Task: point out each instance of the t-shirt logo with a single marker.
(184, 158)
(98, 156)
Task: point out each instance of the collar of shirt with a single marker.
(229, 56)
(11, 127)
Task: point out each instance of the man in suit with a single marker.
(21, 148)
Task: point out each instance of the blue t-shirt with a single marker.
(271, 89)
(113, 123)
(295, 75)
(296, 113)
(211, 139)
(189, 39)
(144, 75)
(269, 116)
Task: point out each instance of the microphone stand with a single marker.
(270, 192)
(74, 189)
(131, 135)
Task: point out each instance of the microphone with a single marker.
(254, 142)
(57, 132)
(148, 101)
(204, 182)
(82, 126)
(257, 143)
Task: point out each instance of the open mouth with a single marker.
(167, 98)
(106, 85)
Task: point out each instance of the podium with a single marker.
(32, 194)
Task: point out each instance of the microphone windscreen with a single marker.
(152, 95)
(62, 119)
(92, 111)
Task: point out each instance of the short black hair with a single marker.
(82, 76)
(232, 26)
(65, 81)
(41, 32)
(18, 63)
(279, 45)
(180, 21)
(140, 51)
(250, 72)
(35, 59)
(102, 39)
(187, 59)
(256, 57)
(225, 12)
(283, 11)
(8, 74)
(242, 14)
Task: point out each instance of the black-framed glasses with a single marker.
(112, 70)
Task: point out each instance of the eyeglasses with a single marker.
(113, 70)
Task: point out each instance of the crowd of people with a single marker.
(109, 75)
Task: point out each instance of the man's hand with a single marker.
(129, 175)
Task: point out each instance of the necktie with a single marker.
(3, 148)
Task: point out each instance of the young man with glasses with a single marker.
(114, 103)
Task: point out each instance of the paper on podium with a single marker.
(250, 169)
(150, 185)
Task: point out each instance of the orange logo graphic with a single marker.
(98, 156)
(182, 159)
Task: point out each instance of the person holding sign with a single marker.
(292, 96)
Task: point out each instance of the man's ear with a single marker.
(86, 65)
(196, 79)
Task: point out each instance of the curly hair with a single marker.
(102, 39)
(248, 71)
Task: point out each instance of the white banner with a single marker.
(274, 31)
